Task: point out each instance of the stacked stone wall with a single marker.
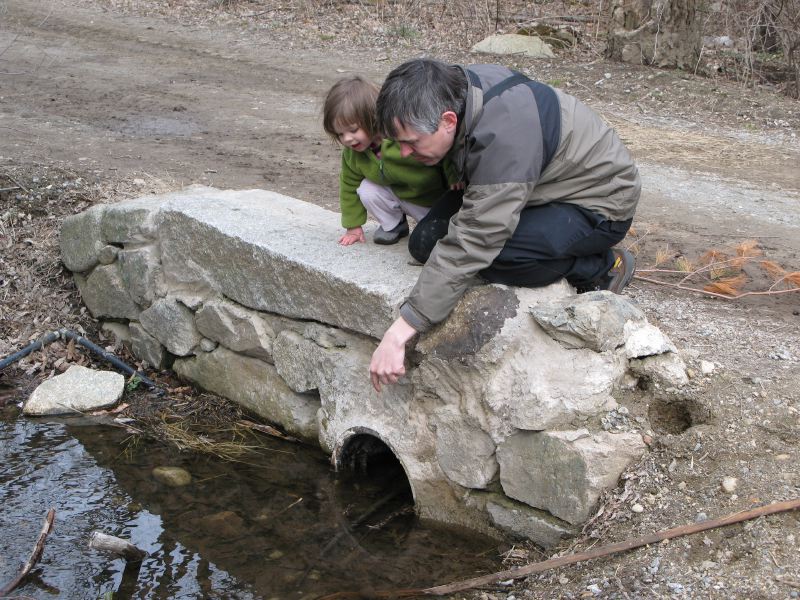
(499, 420)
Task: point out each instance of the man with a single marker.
(549, 189)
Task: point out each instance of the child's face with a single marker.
(353, 136)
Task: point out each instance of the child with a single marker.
(374, 177)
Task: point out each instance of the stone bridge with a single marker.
(506, 420)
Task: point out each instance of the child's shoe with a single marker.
(392, 236)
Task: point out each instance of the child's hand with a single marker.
(457, 186)
(352, 236)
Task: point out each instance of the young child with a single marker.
(374, 177)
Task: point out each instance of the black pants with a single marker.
(551, 241)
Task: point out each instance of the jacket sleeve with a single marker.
(353, 212)
(477, 234)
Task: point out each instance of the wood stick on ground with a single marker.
(38, 548)
(110, 543)
(520, 572)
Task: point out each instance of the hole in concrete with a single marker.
(373, 491)
(674, 416)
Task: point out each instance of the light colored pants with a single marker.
(382, 203)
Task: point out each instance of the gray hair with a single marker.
(417, 93)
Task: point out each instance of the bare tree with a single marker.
(663, 33)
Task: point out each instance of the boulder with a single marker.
(512, 43)
(77, 390)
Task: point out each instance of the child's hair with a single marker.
(351, 101)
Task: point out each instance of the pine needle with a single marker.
(773, 268)
(793, 278)
(721, 288)
(683, 264)
(749, 248)
(662, 256)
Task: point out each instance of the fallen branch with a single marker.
(35, 555)
(520, 572)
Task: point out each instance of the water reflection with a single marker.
(285, 528)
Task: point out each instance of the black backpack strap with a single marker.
(501, 87)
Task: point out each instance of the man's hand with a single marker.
(351, 236)
(387, 364)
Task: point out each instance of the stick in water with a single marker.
(109, 543)
(35, 555)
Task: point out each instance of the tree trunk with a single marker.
(663, 33)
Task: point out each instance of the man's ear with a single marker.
(449, 121)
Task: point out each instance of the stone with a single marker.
(120, 332)
(512, 43)
(80, 239)
(238, 328)
(255, 385)
(564, 472)
(225, 524)
(666, 369)
(523, 521)
(644, 339)
(146, 347)
(172, 476)
(172, 324)
(637, 508)
(252, 226)
(506, 374)
(594, 320)
(707, 367)
(465, 452)
(107, 254)
(141, 274)
(77, 390)
(105, 295)
(729, 484)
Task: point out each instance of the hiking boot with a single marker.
(621, 273)
(393, 235)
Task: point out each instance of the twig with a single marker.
(266, 429)
(35, 555)
(539, 567)
(714, 294)
(27, 191)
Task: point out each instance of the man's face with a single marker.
(427, 148)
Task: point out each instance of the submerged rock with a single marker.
(172, 476)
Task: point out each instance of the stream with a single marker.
(283, 526)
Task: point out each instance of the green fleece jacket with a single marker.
(408, 178)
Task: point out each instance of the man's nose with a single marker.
(405, 150)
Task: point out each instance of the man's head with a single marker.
(419, 107)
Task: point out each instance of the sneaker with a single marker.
(393, 235)
(621, 273)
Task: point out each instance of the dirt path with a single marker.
(111, 96)
(93, 90)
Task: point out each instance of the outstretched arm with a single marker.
(387, 364)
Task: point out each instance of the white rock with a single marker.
(729, 484)
(512, 43)
(77, 390)
(707, 367)
(637, 508)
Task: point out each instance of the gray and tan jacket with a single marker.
(520, 143)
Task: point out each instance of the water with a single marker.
(285, 527)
